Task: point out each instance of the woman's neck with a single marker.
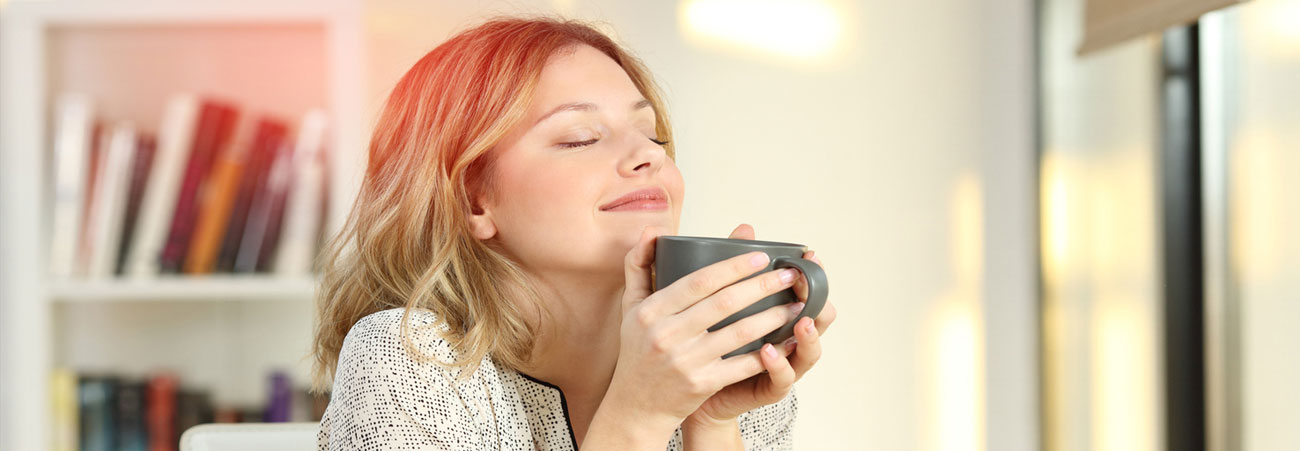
(578, 350)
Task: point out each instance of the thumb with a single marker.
(637, 266)
(743, 232)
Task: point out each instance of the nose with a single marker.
(642, 158)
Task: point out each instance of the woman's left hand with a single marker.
(785, 363)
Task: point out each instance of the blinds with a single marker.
(1109, 22)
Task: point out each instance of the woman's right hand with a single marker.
(669, 363)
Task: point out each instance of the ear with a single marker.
(481, 222)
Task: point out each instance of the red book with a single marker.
(160, 412)
(216, 124)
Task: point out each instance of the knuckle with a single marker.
(700, 285)
(660, 341)
(699, 385)
(644, 317)
(725, 303)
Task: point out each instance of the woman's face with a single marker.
(586, 141)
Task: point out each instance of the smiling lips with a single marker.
(649, 199)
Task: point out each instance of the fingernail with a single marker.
(758, 259)
(787, 275)
(769, 350)
(789, 341)
(809, 328)
(795, 307)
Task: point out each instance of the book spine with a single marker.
(144, 155)
(215, 123)
(278, 406)
(305, 208)
(262, 153)
(175, 140)
(160, 412)
(65, 406)
(257, 231)
(130, 417)
(72, 146)
(278, 189)
(205, 244)
(111, 189)
(98, 427)
(89, 206)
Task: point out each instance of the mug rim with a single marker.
(728, 241)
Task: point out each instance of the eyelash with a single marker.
(593, 141)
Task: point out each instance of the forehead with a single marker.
(582, 74)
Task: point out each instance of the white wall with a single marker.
(888, 154)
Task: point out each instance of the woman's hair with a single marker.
(407, 241)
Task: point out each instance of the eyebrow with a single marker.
(586, 106)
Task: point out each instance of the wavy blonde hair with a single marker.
(407, 241)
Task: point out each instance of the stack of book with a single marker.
(211, 193)
(110, 412)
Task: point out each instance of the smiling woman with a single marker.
(491, 285)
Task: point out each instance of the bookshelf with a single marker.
(222, 332)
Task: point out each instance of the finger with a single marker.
(702, 283)
(732, 299)
(780, 373)
(748, 329)
(801, 284)
(809, 349)
(743, 232)
(637, 265)
(825, 318)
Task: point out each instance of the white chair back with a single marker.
(251, 437)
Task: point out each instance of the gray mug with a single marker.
(677, 256)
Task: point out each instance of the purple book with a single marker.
(278, 407)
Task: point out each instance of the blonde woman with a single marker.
(491, 288)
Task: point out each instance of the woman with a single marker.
(491, 288)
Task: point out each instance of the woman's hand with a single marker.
(783, 369)
(669, 363)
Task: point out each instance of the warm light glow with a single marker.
(1124, 393)
(801, 30)
(959, 378)
(955, 403)
(968, 239)
(1055, 218)
(1258, 194)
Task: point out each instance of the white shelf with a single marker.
(186, 289)
(224, 330)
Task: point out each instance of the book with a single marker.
(111, 185)
(65, 405)
(97, 427)
(130, 417)
(175, 138)
(74, 128)
(89, 209)
(219, 197)
(160, 412)
(261, 234)
(145, 147)
(193, 407)
(304, 211)
(216, 122)
(280, 401)
(267, 139)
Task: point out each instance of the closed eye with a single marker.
(570, 145)
(579, 143)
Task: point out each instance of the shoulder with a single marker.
(384, 332)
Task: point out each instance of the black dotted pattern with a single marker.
(384, 400)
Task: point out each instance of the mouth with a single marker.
(648, 199)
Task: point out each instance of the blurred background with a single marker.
(1052, 224)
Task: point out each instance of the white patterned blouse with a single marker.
(384, 400)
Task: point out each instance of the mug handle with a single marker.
(817, 289)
